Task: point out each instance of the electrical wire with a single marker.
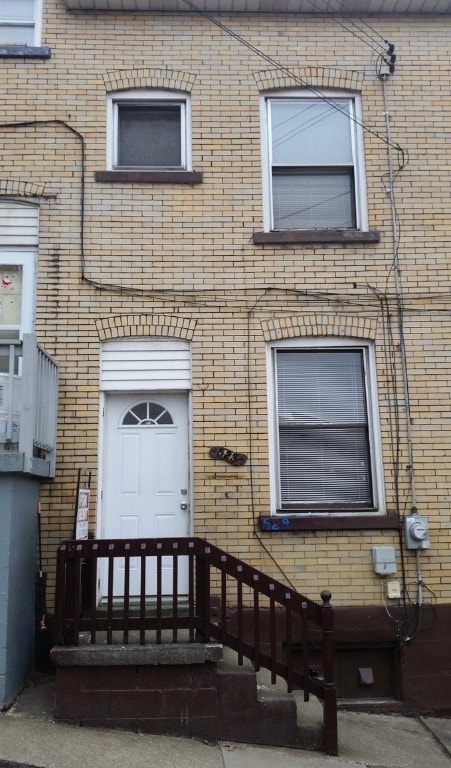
(400, 300)
(297, 78)
(250, 430)
(251, 442)
(344, 7)
(407, 635)
(184, 294)
(265, 292)
(392, 393)
(81, 140)
(367, 39)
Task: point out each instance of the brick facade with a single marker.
(179, 261)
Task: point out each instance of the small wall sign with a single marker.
(81, 530)
(219, 452)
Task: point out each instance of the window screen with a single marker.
(149, 135)
(17, 22)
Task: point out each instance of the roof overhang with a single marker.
(360, 7)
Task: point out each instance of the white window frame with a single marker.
(361, 213)
(36, 25)
(148, 97)
(375, 446)
(27, 260)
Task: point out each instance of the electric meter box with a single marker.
(384, 562)
(416, 532)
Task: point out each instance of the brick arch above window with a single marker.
(123, 326)
(130, 79)
(149, 128)
(319, 325)
(314, 77)
(314, 181)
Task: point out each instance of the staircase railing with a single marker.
(220, 597)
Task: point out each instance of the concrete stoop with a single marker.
(181, 689)
(255, 712)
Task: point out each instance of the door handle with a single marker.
(183, 505)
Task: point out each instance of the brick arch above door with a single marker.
(126, 326)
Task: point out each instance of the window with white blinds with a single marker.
(324, 431)
(19, 22)
(313, 174)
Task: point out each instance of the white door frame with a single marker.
(149, 379)
(100, 522)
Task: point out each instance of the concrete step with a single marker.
(253, 710)
(179, 689)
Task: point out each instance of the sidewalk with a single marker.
(29, 738)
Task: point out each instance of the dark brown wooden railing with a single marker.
(223, 599)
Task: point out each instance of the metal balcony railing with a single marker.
(258, 617)
(28, 407)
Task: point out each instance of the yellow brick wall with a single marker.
(190, 250)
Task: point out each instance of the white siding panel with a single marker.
(19, 224)
(133, 366)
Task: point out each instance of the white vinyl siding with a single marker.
(19, 224)
(326, 446)
(139, 366)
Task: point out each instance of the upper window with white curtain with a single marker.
(20, 22)
(313, 162)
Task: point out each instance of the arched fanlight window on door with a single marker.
(146, 414)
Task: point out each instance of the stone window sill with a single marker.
(335, 236)
(149, 177)
(356, 522)
(24, 52)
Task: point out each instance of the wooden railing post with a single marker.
(330, 692)
(60, 595)
(203, 593)
(68, 595)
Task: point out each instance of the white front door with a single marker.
(145, 486)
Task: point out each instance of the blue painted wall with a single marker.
(18, 541)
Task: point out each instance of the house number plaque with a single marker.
(219, 452)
